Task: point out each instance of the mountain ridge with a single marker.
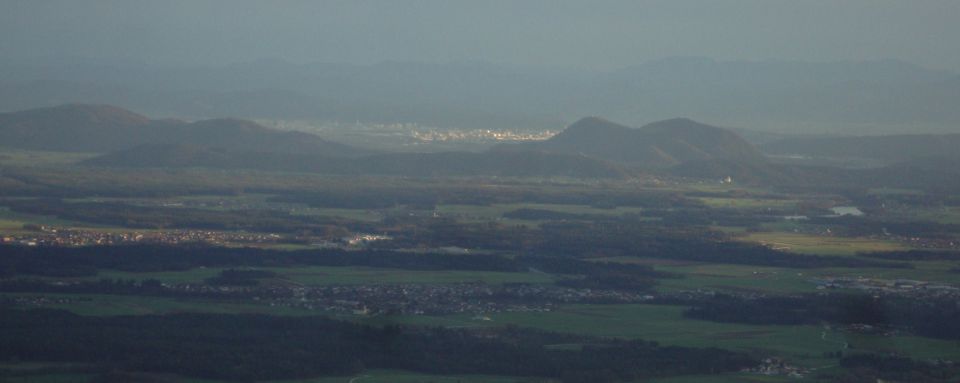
(851, 97)
(106, 128)
(660, 144)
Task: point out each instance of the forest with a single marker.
(252, 347)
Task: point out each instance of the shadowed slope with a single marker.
(657, 145)
(102, 128)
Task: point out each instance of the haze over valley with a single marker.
(494, 191)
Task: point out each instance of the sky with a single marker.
(596, 34)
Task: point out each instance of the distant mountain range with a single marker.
(133, 140)
(869, 97)
(103, 128)
(657, 145)
(590, 148)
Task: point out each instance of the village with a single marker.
(39, 235)
(423, 299)
(897, 287)
(474, 298)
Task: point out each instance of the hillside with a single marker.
(74, 127)
(403, 164)
(658, 145)
(245, 135)
(103, 128)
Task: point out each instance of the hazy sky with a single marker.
(557, 33)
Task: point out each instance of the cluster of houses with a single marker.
(413, 299)
(41, 300)
(354, 241)
(931, 243)
(479, 135)
(36, 235)
(907, 287)
(435, 299)
(778, 367)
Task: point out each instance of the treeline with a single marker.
(692, 216)
(79, 182)
(239, 277)
(146, 217)
(915, 255)
(428, 197)
(610, 281)
(86, 261)
(871, 368)
(865, 226)
(618, 238)
(932, 317)
(105, 286)
(360, 192)
(637, 239)
(255, 347)
(866, 198)
(551, 215)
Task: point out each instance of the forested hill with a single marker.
(104, 128)
(657, 145)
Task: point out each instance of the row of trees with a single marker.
(149, 217)
(616, 238)
(87, 261)
(252, 347)
(932, 317)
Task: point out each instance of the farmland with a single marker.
(512, 254)
(666, 324)
(822, 244)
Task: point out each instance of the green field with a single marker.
(196, 275)
(821, 244)
(48, 378)
(803, 345)
(949, 215)
(322, 275)
(729, 378)
(934, 271)
(748, 203)
(394, 376)
(106, 305)
(659, 323)
(496, 211)
(736, 278)
(28, 372)
(786, 280)
(665, 324)
(316, 275)
(16, 157)
(699, 275)
(33, 372)
(12, 222)
(261, 201)
(363, 215)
